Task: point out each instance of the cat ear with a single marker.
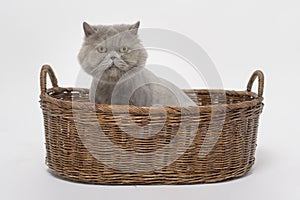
(134, 28)
(88, 29)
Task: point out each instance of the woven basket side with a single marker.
(232, 156)
(72, 129)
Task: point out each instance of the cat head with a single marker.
(109, 51)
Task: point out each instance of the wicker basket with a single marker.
(72, 130)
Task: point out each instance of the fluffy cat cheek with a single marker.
(120, 64)
(135, 58)
(93, 59)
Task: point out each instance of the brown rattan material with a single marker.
(67, 111)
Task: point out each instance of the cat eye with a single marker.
(124, 49)
(101, 49)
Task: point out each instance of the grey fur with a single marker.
(115, 57)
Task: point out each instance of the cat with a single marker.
(115, 57)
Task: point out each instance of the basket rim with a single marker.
(119, 109)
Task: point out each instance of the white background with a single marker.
(239, 36)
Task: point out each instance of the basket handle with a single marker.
(261, 81)
(46, 69)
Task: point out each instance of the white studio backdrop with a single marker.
(239, 36)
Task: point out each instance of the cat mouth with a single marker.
(113, 70)
(113, 67)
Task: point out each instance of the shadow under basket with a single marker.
(121, 144)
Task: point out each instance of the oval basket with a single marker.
(94, 143)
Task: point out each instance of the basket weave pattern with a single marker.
(67, 111)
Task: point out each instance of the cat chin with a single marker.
(112, 74)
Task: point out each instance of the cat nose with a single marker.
(113, 57)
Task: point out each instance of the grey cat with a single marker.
(115, 57)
